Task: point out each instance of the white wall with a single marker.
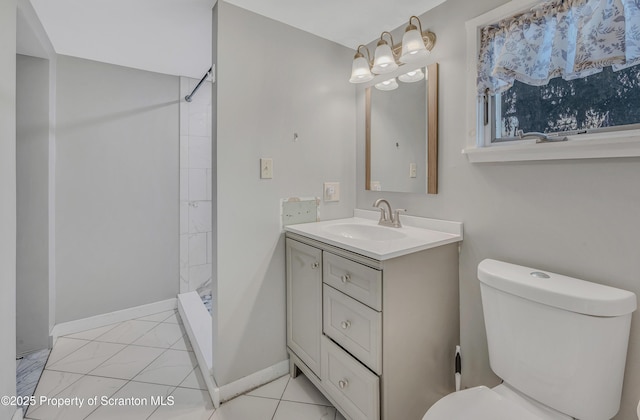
(32, 289)
(32, 40)
(576, 217)
(7, 202)
(273, 80)
(116, 188)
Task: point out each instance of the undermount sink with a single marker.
(364, 232)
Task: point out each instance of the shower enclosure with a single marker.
(196, 228)
(195, 188)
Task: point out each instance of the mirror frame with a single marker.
(432, 132)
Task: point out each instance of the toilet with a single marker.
(558, 343)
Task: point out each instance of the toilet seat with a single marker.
(479, 403)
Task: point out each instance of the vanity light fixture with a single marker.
(416, 44)
(390, 84)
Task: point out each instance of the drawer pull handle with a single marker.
(345, 278)
(345, 324)
(315, 265)
(343, 383)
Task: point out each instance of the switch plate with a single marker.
(331, 191)
(266, 168)
(413, 172)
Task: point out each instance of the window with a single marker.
(561, 70)
(604, 101)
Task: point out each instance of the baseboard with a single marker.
(253, 381)
(84, 324)
(18, 415)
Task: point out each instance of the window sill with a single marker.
(612, 145)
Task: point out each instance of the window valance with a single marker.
(564, 38)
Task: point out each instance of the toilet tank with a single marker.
(557, 339)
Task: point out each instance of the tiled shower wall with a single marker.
(195, 188)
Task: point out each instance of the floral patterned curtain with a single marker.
(564, 38)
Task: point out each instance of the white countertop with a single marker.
(417, 234)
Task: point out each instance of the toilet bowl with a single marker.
(548, 337)
(479, 403)
(482, 403)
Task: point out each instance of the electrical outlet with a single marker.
(266, 168)
(331, 191)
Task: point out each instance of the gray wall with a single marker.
(7, 202)
(272, 80)
(116, 188)
(576, 217)
(32, 289)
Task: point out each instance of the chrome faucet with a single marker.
(388, 218)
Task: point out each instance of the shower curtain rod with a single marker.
(188, 97)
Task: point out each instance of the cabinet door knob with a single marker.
(345, 325)
(343, 383)
(345, 278)
(315, 265)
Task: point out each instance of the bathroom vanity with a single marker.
(373, 312)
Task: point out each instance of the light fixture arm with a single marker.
(419, 23)
(382, 40)
(368, 58)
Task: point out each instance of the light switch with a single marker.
(413, 172)
(266, 168)
(331, 191)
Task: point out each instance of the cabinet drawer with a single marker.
(354, 326)
(356, 280)
(354, 387)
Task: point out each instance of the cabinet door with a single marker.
(304, 302)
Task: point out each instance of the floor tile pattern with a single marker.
(28, 371)
(146, 369)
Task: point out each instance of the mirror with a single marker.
(402, 136)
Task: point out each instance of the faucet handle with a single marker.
(396, 217)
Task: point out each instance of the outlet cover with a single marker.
(331, 191)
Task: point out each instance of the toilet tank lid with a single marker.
(556, 290)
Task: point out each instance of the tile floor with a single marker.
(133, 366)
(28, 371)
